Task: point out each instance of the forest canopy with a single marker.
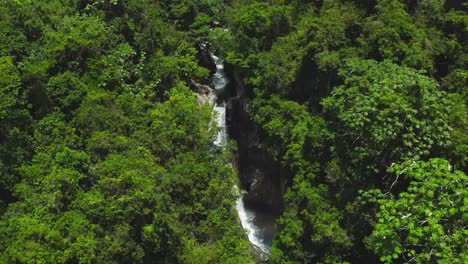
(106, 155)
(364, 102)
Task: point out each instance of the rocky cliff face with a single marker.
(263, 177)
(205, 59)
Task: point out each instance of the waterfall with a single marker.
(221, 121)
(249, 219)
(254, 233)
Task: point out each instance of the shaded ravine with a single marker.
(257, 219)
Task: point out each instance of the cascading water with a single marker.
(220, 81)
(260, 229)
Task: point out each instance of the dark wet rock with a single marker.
(201, 88)
(259, 255)
(203, 92)
(205, 59)
(202, 99)
(263, 177)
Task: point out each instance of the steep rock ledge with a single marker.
(261, 176)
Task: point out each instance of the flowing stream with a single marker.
(257, 226)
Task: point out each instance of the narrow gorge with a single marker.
(260, 184)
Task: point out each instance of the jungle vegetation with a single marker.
(106, 156)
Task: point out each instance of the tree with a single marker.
(385, 114)
(311, 229)
(115, 164)
(255, 27)
(425, 223)
(15, 124)
(392, 35)
(66, 91)
(41, 226)
(179, 125)
(459, 121)
(10, 83)
(294, 137)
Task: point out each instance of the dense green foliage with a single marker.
(389, 113)
(426, 222)
(348, 95)
(106, 156)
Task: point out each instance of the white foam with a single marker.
(221, 121)
(246, 216)
(219, 79)
(247, 219)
